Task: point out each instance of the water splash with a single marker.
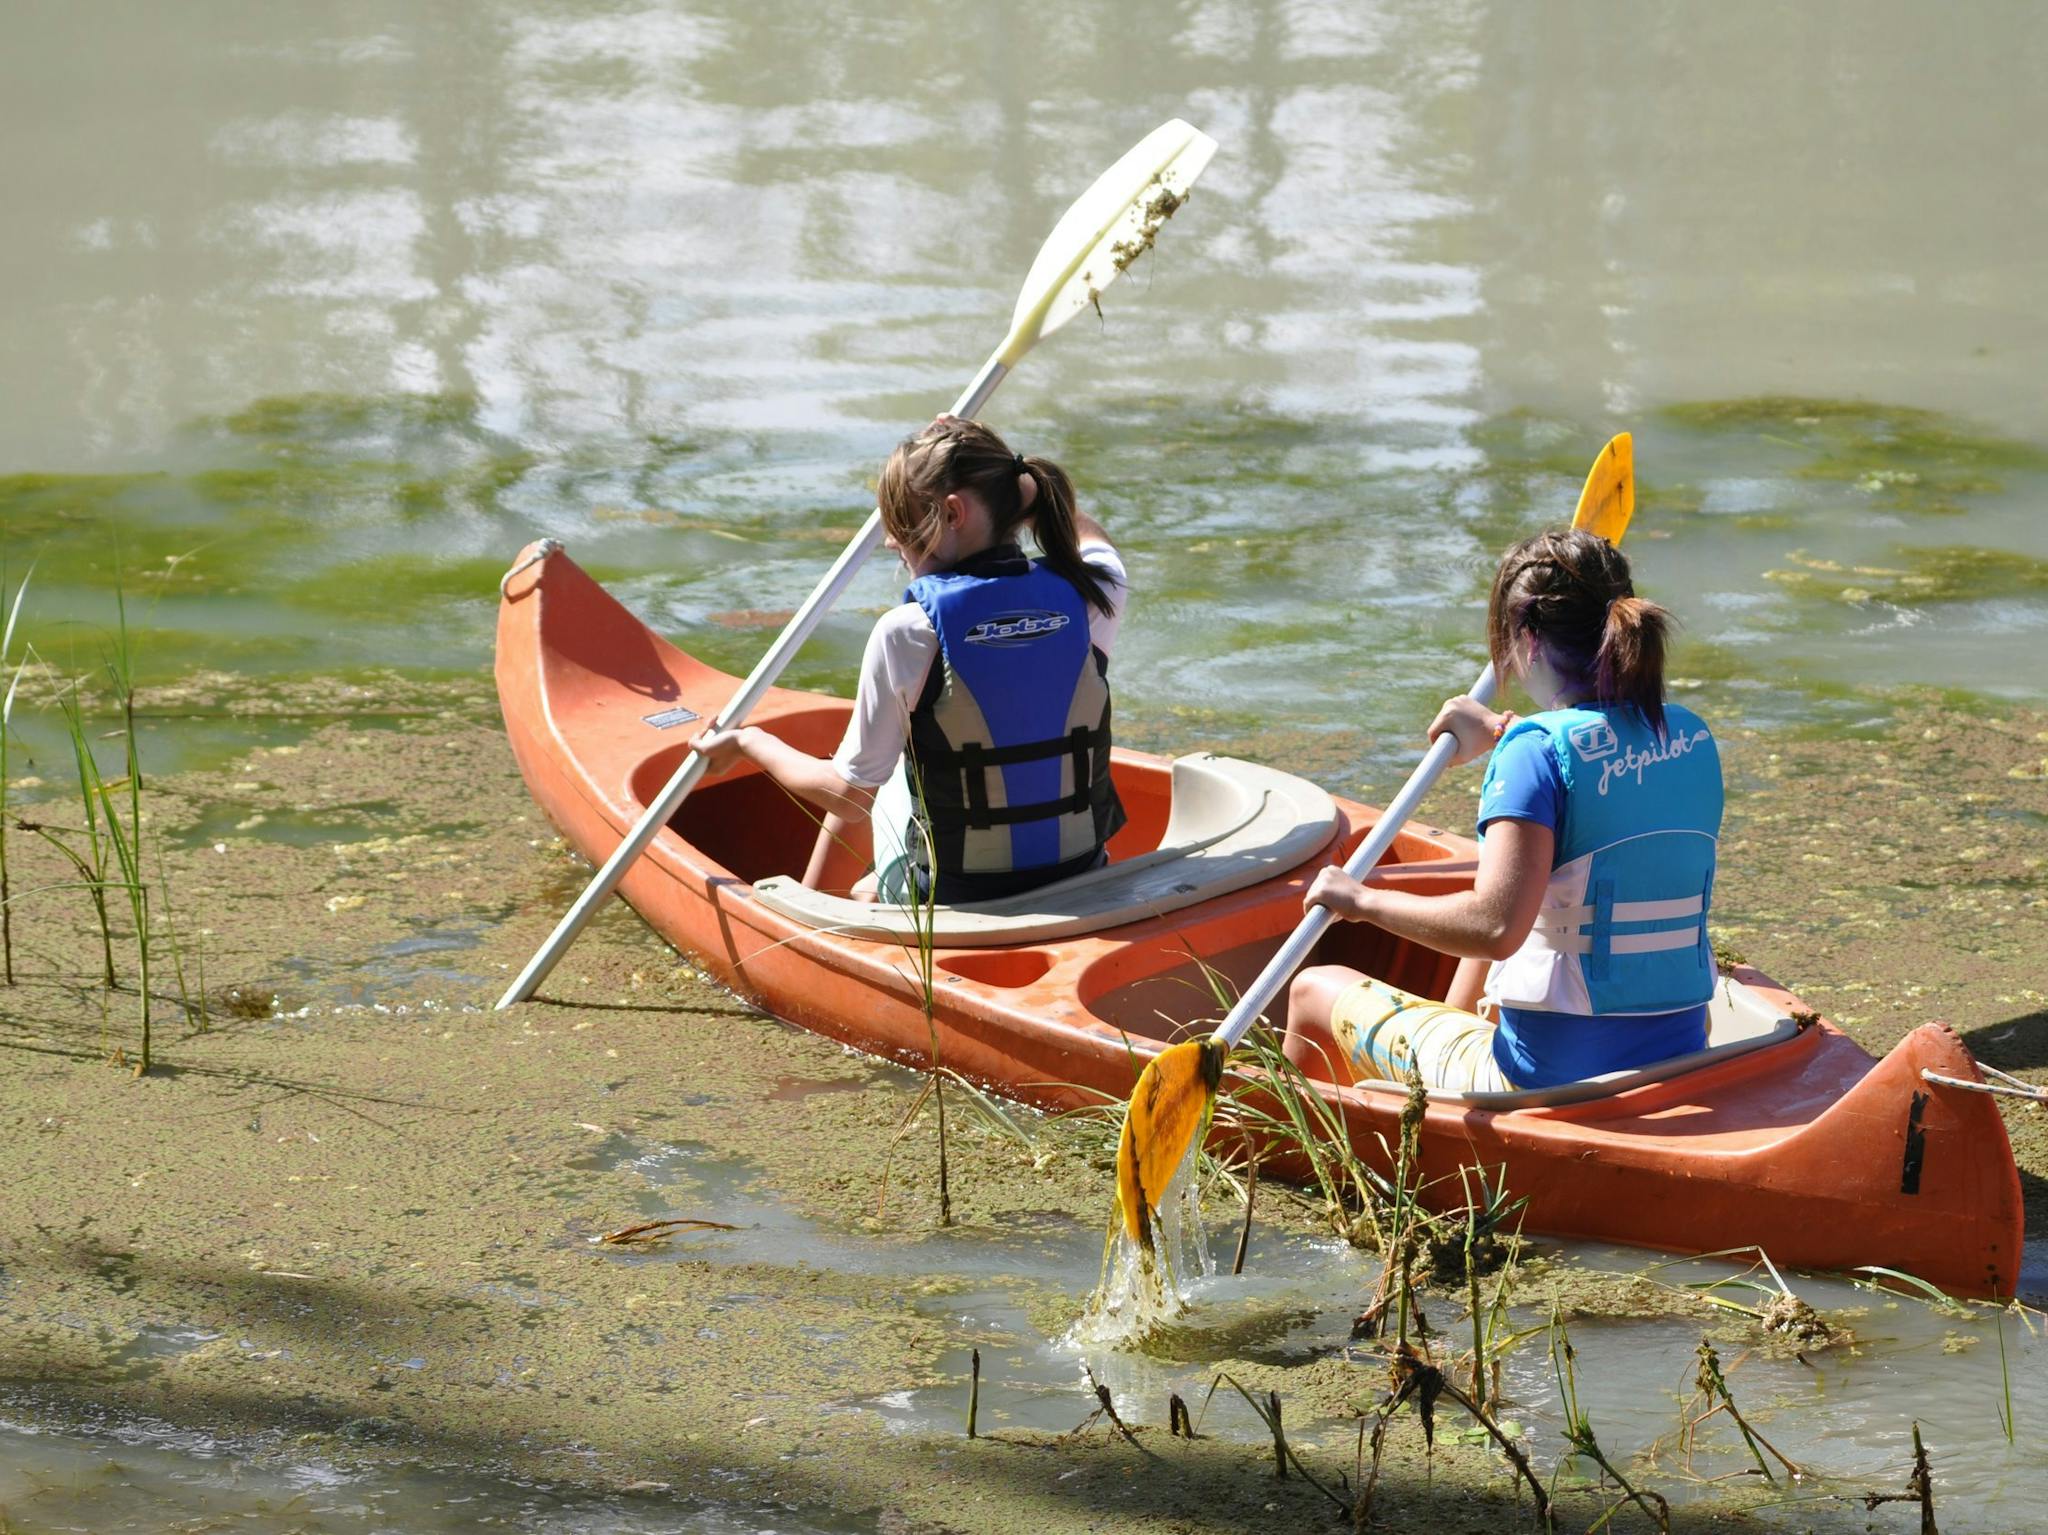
(1140, 1292)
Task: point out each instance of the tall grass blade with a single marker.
(6, 774)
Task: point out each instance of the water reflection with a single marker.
(711, 260)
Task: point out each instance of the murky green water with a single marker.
(317, 313)
(1845, 1416)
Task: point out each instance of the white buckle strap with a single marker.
(1562, 919)
(1659, 911)
(1619, 943)
(1567, 921)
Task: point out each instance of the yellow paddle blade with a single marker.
(1169, 1111)
(1609, 499)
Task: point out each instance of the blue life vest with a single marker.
(1623, 927)
(1009, 743)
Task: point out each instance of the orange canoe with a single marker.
(1783, 1134)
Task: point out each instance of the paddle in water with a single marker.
(1176, 1092)
(1109, 226)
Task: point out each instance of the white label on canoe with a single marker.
(668, 719)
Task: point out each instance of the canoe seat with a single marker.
(1738, 1021)
(1231, 824)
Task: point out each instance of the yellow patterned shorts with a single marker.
(1383, 1030)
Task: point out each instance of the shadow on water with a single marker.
(140, 1473)
(2017, 1044)
(114, 1461)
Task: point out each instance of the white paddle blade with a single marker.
(1110, 226)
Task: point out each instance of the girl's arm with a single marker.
(811, 779)
(1088, 530)
(1489, 921)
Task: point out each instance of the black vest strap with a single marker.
(973, 760)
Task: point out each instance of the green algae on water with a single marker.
(1920, 575)
(1904, 457)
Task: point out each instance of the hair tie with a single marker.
(1027, 482)
(1017, 460)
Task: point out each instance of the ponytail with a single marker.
(1051, 509)
(951, 455)
(1629, 666)
(1573, 592)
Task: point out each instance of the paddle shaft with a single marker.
(1281, 967)
(691, 769)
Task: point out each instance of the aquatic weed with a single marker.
(1916, 461)
(90, 858)
(1418, 1380)
(1782, 1310)
(6, 731)
(1919, 1488)
(1712, 1388)
(1279, 1107)
(1269, 1413)
(1580, 1438)
(127, 839)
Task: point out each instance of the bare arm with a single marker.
(811, 779)
(1489, 921)
(1087, 529)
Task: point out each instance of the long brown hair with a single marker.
(1572, 590)
(949, 456)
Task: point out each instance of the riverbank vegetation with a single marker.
(348, 1133)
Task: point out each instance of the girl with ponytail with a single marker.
(979, 742)
(1584, 932)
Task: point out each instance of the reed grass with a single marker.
(127, 841)
(1269, 1413)
(1712, 1388)
(91, 858)
(2006, 1419)
(1919, 1488)
(1277, 1105)
(1914, 1287)
(106, 849)
(1419, 1381)
(1580, 1439)
(973, 1392)
(6, 768)
(922, 902)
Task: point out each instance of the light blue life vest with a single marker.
(1623, 927)
(1010, 739)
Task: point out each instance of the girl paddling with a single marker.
(982, 715)
(1598, 819)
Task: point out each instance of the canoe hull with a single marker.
(1807, 1148)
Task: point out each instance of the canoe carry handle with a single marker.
(541, 551)
(2007, 1085)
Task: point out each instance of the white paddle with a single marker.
(1109, 226)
